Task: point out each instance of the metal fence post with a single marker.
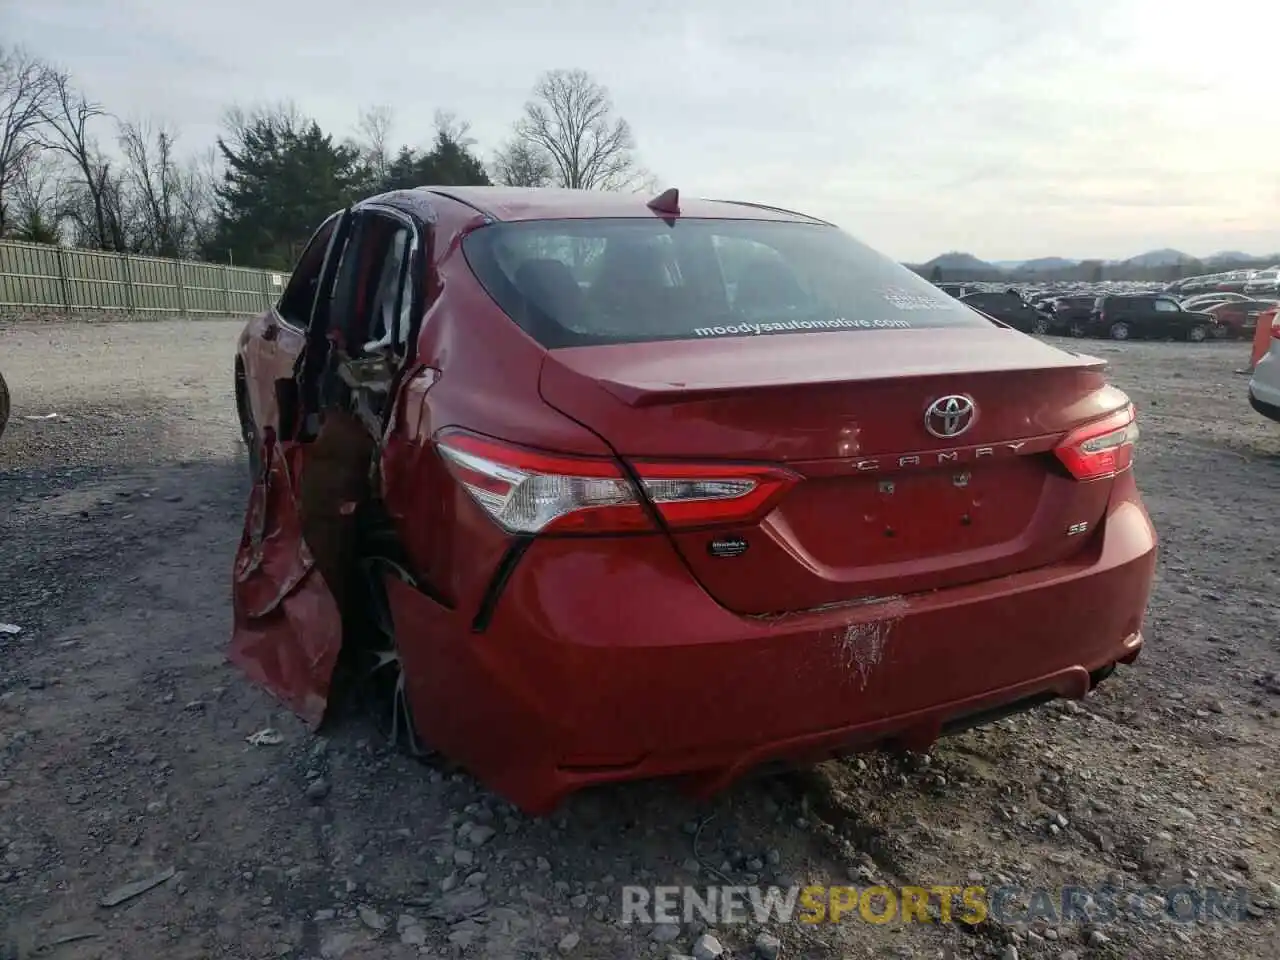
(130, 295)
(64, 286)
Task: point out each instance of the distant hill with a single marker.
(958, 261)
(1160, 258)
(1225, 258)
(1155, 265)
(1046, 264)
(958, 266)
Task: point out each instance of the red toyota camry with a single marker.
(584, 487)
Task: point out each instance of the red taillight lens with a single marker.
(529, 491)
(1101, 449)
(699, 495)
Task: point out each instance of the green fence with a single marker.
(38, 277)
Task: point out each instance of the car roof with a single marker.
(553, 203)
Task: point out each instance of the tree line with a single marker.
(73, 172)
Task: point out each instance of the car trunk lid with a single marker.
(888, 502)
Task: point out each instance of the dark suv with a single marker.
(1147, 317)
(1010, 308)
(1066, 312)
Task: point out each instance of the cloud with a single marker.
(1014, 129)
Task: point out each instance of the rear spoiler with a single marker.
(638, 390)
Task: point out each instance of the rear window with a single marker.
(580, 282)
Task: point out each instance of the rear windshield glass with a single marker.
(580, 282)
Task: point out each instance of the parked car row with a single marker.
(1262, 283)
(1236, 314)
(1117, 316)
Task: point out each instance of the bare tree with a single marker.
(97, 213)
(521, 164)
(451, 129)
(198, 199)
(38, 192)
(374, 128)
(570, 121)
(283, 116)
(154, 182)
(26, 86)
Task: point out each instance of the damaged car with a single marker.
(581, 487)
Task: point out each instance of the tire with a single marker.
(4, 405)
(1041, 326)
(1078, 330)
(248, 429)
(1119, 330)
(1198, 334)
(380, 681)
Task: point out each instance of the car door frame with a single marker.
(1140, 314)
(331, 360)
(1173, 323)
(275, 342)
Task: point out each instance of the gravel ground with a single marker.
(123, 752)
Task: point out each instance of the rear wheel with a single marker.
(1078, 330)
(1120, 330)
(1198, 333)
(379, 671)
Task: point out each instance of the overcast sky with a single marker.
(1007, 128)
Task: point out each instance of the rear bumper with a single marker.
(1269, 410)
(607, 662)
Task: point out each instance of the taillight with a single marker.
(1101, 449)
(530, 491)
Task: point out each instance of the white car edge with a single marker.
(1264, 385)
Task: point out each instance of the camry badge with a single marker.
(950, 416)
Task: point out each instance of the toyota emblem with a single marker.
(950, 416)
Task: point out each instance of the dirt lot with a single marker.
(123, 751)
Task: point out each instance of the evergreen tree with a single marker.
(283, 176)
(450, 162)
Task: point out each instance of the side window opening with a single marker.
(376, 293)
(394, 296)
(295, 303)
